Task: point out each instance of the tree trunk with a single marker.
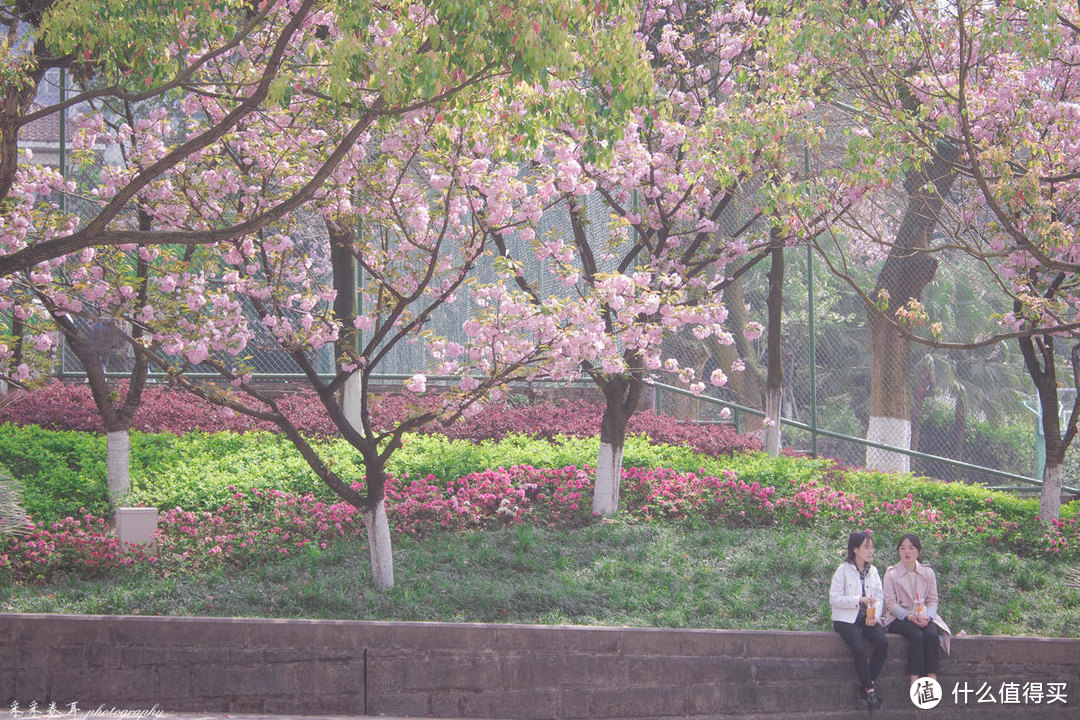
(117, 420)
(907, 270)
(922, 388)
(774, 382)
(18, 329)
(351, 395)
(892, 431)
(772, 429)
(343, 266)
(608, 478)
(118, 463)
(1039, 360)
(382, 559)
(622, 394)
(1050, 499)
(1056, 446)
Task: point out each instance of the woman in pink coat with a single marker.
(911, 609)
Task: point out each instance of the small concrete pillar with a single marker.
(136, 525)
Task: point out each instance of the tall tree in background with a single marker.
(870, 70)
(991, 99)
(908, 269)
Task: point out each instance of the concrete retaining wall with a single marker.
(500, 671)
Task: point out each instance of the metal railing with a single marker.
(661, 389)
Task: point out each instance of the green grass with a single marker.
(620, 573)
(627, 572)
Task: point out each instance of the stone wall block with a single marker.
(403, 704)
(434, 637)
(521, 703)
(244, 681)
(640, 702)
(682, 671)
(177, 631)
(556, 639)
(302, 634)
(332, 677)
(702, 643)
(464, 670)
(769, 644)
(550, 670)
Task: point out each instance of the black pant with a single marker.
(866, 669)
(923, 655)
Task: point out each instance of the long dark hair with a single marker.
(914, 540)
(854, 540)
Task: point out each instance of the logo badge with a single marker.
(925, 693)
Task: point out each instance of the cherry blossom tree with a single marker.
(377, 59)
(359, 159)
(133, 55)
(414, 233)
(128, 59)
(112, 284)
(692, 194)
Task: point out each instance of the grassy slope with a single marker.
(621, 573)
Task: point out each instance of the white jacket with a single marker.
(846, 590)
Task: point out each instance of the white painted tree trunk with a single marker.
(1050, 500)
(382, 560)
(608, 479)
(118, 462)
(350, 401)
(772, 412)
(888, 431)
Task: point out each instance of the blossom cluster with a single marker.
(503, 496)
(86, 546)
(666, 494)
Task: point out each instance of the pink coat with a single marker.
(900, 588)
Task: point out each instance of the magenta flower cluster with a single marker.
(263, 524)
(813, 500)
(253, 526)
(85, 546)
(546, 497)
(667, 494)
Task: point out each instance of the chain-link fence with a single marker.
(967, 410)
(972, 412)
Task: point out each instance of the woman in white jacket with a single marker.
(856, 597)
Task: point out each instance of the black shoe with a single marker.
(873, 701)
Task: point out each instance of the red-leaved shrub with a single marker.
(67, 406)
